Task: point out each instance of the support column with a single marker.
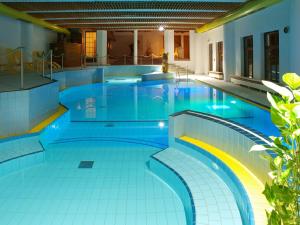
(229, 52)
(135, 47)
(102, 47)
(169, 44)
(26, 40)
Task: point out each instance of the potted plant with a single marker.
(283, 191)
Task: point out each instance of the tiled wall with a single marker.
(78, 77)
(22, 110)
(177, 184)
(20, 152)
(221, 136)
(70, 78)
(129, 70)
(52, 131)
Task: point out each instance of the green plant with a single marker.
(283, 192)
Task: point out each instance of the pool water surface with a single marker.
(155, 101)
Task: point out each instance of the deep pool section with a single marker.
(155, 101)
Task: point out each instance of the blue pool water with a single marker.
(155, 101)
(117, 125)
(119, 189)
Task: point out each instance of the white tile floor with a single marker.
(118, 190)
(214, 203)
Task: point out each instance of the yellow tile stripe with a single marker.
(61, 110)
(252, 184)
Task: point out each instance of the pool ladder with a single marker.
(177, 73)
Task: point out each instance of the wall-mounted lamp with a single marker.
(286, 29)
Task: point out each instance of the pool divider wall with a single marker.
(70, 78)
(17, 153)
(23, 109)
(52, 131)
(229, 178)
(176, 183)
(229, 142)
(235, 143)
(130, 70)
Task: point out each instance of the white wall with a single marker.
(295, 36)
(273, 18)
(16, 33)
(213, 36)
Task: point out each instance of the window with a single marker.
(90, 44)
(248, 57)
(210, 57)
(181, 45)
(220, 57)
(272, 56)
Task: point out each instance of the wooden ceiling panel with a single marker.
(171, 5)
(127, 14)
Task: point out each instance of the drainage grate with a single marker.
(86, 164)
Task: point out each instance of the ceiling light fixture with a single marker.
(161, 28)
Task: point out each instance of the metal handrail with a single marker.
(12, 51)
(124, 57)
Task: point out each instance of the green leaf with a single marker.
(292, 80)
(296, 94)
(278, 162)
(278, 119)
(296, 110)
(283, 91)
(296, 133)
(272, 101)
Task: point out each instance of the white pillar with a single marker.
(102, 47)
(135, 47)
(229, 52)
(26, 40)
(169, 44)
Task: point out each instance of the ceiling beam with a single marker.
(7, 11)
(246, 9)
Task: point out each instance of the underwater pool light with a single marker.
(233, 102)
(215, 107)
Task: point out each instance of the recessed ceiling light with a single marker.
(161, 28)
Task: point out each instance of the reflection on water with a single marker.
(156, 101)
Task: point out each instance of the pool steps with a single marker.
(212, 201)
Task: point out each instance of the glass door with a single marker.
(272, 56)
(248, 57)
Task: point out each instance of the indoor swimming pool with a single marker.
(95, 171)
(155, 101)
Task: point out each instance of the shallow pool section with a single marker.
(155, 101)
(90, 182)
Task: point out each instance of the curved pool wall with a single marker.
(71, 78)
(23, 109)
(234, 140)
(227, 175)
(219, 132)
(20, 152)
(53, 130)
(178, 184)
